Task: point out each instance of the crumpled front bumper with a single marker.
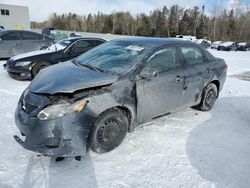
(61, 137)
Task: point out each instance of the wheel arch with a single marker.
(129, 115)
(34, 64)
(128, 111)
(217, 83)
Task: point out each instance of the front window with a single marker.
(82, 45)
(115, 57)
(163, 60)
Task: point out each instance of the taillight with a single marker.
(226, 66)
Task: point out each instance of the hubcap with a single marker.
(210, 98)
(109, 131)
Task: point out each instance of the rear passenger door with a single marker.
(10, 44)
(31, 41)
(198, 71)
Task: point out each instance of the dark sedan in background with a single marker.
(110, 90)
(26, 66)
(228, 46)
(244, 46)
(14, 42)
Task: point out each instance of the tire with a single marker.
(209, 97)
(39, 66)
(108, 131)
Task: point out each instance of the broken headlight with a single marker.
(61, 109)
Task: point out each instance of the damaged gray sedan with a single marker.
(95, 99)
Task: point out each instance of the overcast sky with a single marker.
(40, 9)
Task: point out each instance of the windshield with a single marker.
(60, 45)
(115, 57)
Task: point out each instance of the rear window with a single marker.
(192, 55)
(11, 36)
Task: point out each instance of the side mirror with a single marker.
(148, 73)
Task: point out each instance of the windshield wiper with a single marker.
(88, 66)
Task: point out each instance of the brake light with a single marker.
(226, 66)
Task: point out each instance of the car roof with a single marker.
(154, 40)
(10, 30)
(72, 39)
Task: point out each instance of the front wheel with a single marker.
(108, 131)
(209, 97)
(38, 67)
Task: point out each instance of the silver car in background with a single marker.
(14, 42)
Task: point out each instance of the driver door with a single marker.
(161, 93)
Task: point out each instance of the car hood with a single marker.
(30, 54)
(67, 77)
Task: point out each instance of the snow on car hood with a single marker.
(67, 77)
(29, 54)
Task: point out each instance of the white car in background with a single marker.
(203, 42)
(215, 44)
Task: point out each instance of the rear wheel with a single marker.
(108, 131)
(44, 48)
(39, 66)
(209, 97)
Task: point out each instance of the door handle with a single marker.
(179, 78)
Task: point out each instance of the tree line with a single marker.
(166, 22)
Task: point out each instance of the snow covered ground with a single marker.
(186, 149)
